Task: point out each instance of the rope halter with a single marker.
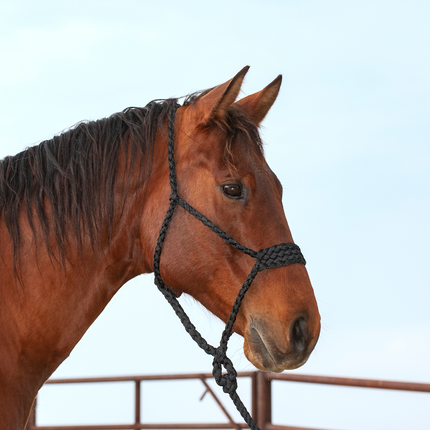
(267, 258)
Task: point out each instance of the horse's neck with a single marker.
(43, 317)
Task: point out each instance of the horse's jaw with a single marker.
(269, 350)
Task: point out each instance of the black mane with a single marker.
(69, 179)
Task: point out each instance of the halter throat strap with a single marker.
(268, 258)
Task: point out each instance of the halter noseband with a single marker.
(267, 258)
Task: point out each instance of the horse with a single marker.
(80, 215)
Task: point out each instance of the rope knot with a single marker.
(228, 380)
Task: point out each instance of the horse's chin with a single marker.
(265, 355)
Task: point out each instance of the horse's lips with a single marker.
(259, 346)
(264, 355)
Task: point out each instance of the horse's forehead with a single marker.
(235, 150)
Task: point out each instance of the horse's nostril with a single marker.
(300, 333)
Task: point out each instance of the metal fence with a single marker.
(261, 398)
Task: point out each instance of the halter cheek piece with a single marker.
(268, 258)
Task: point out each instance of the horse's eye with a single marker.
(232, 190)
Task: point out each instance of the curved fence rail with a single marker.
(261, 398)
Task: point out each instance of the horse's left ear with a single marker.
(257, 105)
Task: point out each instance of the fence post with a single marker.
(261, 399)
(31, 423)
(137, 401)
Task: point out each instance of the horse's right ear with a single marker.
(257, 105)
(214, 105)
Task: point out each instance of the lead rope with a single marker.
(274, 256)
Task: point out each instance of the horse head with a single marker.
(221, 171)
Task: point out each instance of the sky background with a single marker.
(349, 138)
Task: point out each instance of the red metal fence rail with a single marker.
(261, 398)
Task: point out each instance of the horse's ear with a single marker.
(215, 103)
(257, 105)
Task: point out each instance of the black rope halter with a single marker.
(274, 256)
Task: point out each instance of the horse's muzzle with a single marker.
(268, 350)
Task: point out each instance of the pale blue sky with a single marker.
(349, 138)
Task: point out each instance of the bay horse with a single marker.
(80, 216)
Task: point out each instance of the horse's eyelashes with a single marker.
(233, 190)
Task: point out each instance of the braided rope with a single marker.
(222, 234)
(272, 257)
